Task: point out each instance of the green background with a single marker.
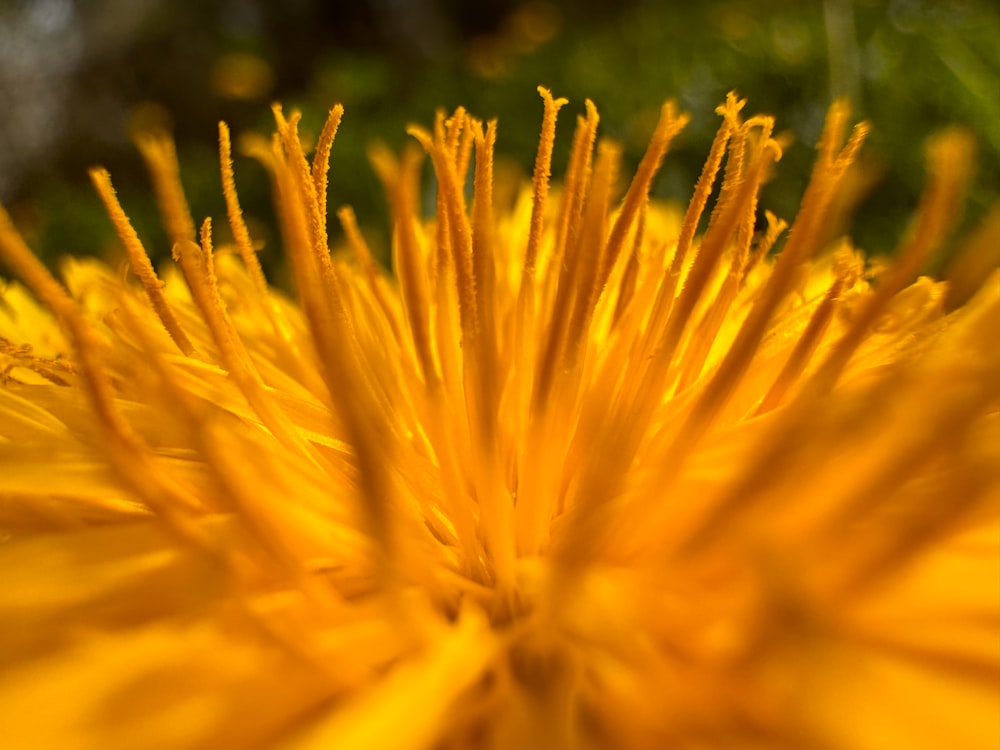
(909, 66)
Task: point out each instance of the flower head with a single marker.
(577, 476)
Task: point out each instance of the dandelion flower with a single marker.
(579, 474)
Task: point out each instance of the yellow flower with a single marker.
(582, 474)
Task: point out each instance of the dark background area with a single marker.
(77, 77)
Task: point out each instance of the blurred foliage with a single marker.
(909, 66)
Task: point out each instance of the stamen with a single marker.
(540, 180)
(560, 270)
(483, 254)
(235, 214)
(623, 428)
(949, 157)
(712, 247)
(305, 188)
(703, 188)
(626, 288)
(139, 260)
(950, 163)
(664, 301)
(294, 224)
(460, 233)
(775, 227)
(408, 257)
(367, 420)
(321, 159)
(126, 451)
(454, 128)
(200, 267)
(807, 225)
(698, 349)
(744, 233)
(582, 284)
(53, 370)
(669, 125)
(158, 151)
(463, 155)
(525, 325)
(576, 184)
(25, 265)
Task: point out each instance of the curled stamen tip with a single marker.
(773, 145)
(422, 135)
(763, 122)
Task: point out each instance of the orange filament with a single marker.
(235, 214)
(139, 260)
(540, 178)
